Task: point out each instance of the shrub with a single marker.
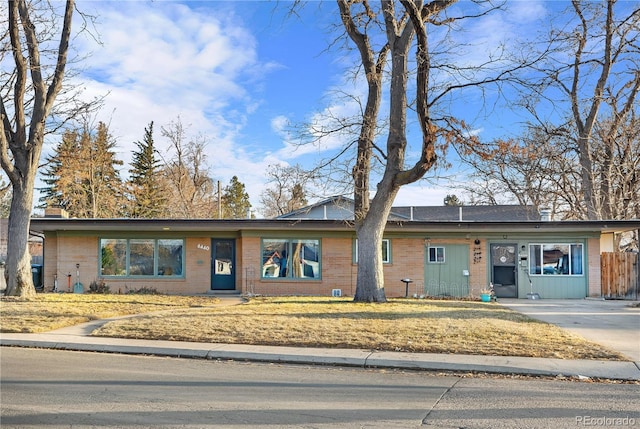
(143, 291)
(99, 287)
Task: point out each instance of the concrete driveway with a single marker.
(613, 324)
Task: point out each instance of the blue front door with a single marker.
(223, 260)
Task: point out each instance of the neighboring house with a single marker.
(341, 208)
(445, 251)
(35, 243)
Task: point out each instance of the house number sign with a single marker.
(203, 247)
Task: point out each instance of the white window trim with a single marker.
(386, 256)
(444, 256)
(571, 274)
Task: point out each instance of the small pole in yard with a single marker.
(406, 286)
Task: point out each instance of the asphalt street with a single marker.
(54, 388)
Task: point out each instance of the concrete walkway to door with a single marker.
(613, 324)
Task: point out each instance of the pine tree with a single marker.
(146, 188)
(104, 187)
(235, 200)
(64, 186)
(452, 200)
(82, 177)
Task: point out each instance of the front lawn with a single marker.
(399, 325)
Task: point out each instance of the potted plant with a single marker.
(485, 294)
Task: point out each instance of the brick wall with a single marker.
(337, 268)
(593, 258)
(64, 252)
(339, 271)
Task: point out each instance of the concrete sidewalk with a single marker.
(78, 338)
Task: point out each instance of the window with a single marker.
(113, 257)
(386, 251)
(145, 257)
(294, 259)
(170, 257)
(436, 255)
(556, 259)
(141, 257)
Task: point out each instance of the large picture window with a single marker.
(556, 259)
(145, 257)
(288, 258)
(386, 251)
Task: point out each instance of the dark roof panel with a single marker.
(468, 213)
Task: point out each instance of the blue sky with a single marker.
(238, 72)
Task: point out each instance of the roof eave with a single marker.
(229, 225)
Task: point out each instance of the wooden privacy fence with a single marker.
(619, 272)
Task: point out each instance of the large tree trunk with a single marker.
(18, 267)
(370, 279)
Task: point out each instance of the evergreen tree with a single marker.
(452, 200)
(146, 187)
(235, 200)
(64, 187)
(82, 177)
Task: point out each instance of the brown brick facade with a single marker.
(338, 271)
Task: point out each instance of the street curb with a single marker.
(614, 370)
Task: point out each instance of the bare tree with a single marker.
(403, 25)
(580, 155)
(286, 191)
(593, 65)
(539, 168)
(191, 190)
(616, 155)
(28, 96)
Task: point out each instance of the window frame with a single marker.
(571, 256)
(436, 253)
(386, 256)
(291, 244)
(155, 255)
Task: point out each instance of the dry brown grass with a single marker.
(400, 325)
(46, 312)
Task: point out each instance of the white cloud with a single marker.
(162, 60)
(279, 125)
(420, 195)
